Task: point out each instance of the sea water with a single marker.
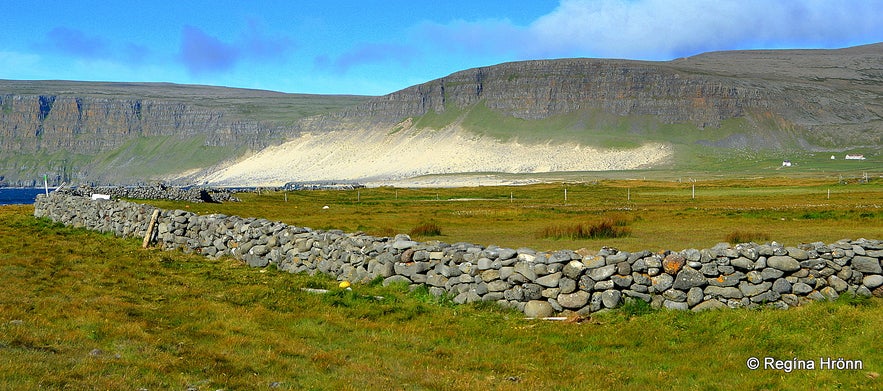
(15, 195)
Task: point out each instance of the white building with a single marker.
(855, 157)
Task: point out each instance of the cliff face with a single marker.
(827, 97)
(91, 125)
(119, 133)
(539, 89)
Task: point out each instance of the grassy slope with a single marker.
(83, 310)
(33, 166)
(694, 155)
(146, 157)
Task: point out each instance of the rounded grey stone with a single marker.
(610, 298)
(709, 305)
(675, 305)
(549, 281)
(538, 309)
(727, 292)
(688, 278)
(532, 291)
(872, 281)
(749, 289)
(661, 283)
(742, 263)
(675, 295)
(573, 269)
(604, 285)
(782, 286)
(783, 263)
(866, 265)
(837, 283)
(601, 273)
(695, 296)
(574, 300)
(771, 273)
(497, 286)
(567, 285)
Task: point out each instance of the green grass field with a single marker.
(658, 215)
(83, 310)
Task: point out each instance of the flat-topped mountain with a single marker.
(124, 133)
(830, 98)
(528, 116)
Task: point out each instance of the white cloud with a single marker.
(665, 29)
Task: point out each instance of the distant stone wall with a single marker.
(156, 192)
(539, 284)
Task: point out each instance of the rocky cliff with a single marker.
(824, 98)
(92, 125)
(100, 132)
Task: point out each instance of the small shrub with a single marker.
(426, 229)
(737, 237)
(606, 229)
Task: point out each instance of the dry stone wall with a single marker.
(537, 283)
(156, 192)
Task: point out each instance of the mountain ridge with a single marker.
(790, 100)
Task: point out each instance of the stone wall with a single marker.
(156, 192)
(536, 283)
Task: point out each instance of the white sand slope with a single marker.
(372, 156)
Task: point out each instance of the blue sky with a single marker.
(377, 47)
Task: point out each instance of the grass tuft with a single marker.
(737, 237)
(385, 232)
(605, 229)
(854, 300)
(635, 307)
(426, 229)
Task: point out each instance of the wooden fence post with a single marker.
(150, 225)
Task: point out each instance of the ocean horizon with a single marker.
(19, 195)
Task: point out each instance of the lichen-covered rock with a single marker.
(689, 278)
(673, 263)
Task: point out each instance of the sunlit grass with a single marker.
(661, 214)
(82, 310)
